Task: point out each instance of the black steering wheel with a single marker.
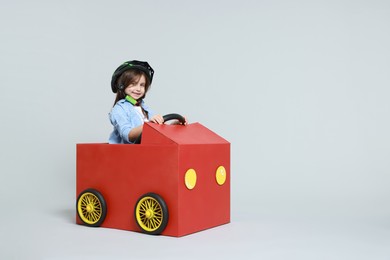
(166, 118)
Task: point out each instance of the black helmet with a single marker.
(134, 64)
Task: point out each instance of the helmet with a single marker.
(134, 64)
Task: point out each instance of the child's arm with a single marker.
(134, 133)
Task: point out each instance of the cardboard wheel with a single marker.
(91, 208)
(151, 214)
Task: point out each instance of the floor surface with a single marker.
(53, 234)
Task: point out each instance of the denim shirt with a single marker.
(125, 117)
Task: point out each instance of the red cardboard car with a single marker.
(175, 182)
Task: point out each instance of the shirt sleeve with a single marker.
(123, 121)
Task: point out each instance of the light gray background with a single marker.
(299, 88)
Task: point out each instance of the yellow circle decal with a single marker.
(220, 175)
(190, 179)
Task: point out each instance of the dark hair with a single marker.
(130, 77)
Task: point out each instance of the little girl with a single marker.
(130, 82)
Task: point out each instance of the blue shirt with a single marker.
(124, 117)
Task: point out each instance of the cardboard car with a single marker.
(174, 183)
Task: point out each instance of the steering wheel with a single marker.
(166, 118)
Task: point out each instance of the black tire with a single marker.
(151, 214)
(91, 207)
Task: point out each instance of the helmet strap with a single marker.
(133, 101)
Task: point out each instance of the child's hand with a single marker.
(158, 119)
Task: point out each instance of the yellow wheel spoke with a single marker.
(96, 214)
(155, 222)
(147, 224)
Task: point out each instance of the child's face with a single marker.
(137, 89)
